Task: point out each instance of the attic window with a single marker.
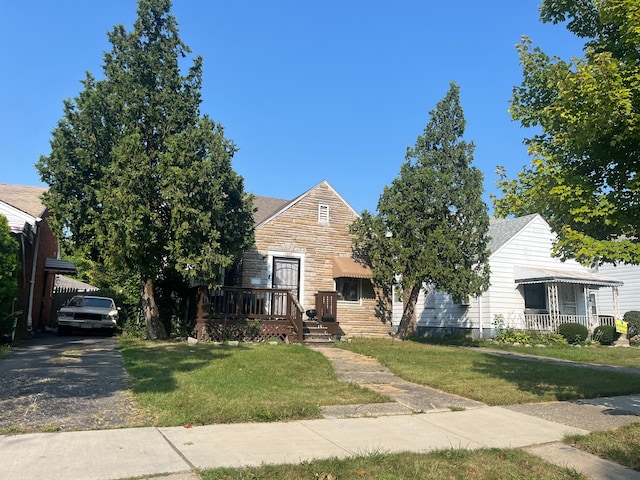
(323, 213)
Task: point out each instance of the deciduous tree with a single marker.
(431, 226)
(584, 174)
(138, 177)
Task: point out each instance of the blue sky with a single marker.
(308, 90)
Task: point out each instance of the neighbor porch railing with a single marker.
(263, 304)
(549, 323)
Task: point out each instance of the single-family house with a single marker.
(302, 264)
(530, 289)
(38, 254)
(628, 294)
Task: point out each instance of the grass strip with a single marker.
(494, 464)
(491, 379)
(620, 445)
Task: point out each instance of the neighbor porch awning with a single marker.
(349, 268)
(529, 275)
(55, 265)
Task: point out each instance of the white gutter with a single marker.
(34, 264)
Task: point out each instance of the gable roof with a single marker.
(62, 282)
(268, 208)
(24, 198)
(501, 230)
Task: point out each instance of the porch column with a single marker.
(554, 307)
(616, 303)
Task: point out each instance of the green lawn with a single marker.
(205, 383)
(492, 464)
(492, 379)
(618, 356)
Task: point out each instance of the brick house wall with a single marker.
(47, 246)
(298, 231)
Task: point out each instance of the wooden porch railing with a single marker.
(549, 323)
(327, 306)
(237, 303)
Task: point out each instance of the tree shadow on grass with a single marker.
(153, 367)
(539, 381)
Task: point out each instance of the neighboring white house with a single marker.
(628, 294)
(530, 289)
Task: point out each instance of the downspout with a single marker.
(480, 326)
(34, 264)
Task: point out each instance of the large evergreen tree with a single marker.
(584, 174)
(432, 223)
(139, 179)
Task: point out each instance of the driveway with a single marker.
(56, 383)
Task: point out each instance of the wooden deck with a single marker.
(270, 312)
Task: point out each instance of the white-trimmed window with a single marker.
(323, 213)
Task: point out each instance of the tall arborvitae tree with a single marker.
(138, 178)
(432, 223)
(8, 267)
(586, 149)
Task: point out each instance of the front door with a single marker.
(286, 275)
(568, 300)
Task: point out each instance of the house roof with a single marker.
(501, 230)
(24, 198)
(67, 283)
(345, 267)
(529, 275)
(267, 207)
(56, 265)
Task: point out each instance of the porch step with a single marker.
(314, 333)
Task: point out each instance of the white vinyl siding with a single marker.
(531, 246)
(628, 294)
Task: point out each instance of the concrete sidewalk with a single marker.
(121, 453)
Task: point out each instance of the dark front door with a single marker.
(286, 274)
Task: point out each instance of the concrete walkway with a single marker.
(420, 419)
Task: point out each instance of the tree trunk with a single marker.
(407, 324)
(155, 329)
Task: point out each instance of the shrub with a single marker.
(605, 334)
(573, 332)
(513, 336)
(632, 317)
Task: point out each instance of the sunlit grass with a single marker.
(205, 383)
(604, 355)
(621, 445)
(492, 379)
(492, 464)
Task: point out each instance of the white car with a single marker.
(88, 312)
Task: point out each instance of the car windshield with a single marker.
(92, 302)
